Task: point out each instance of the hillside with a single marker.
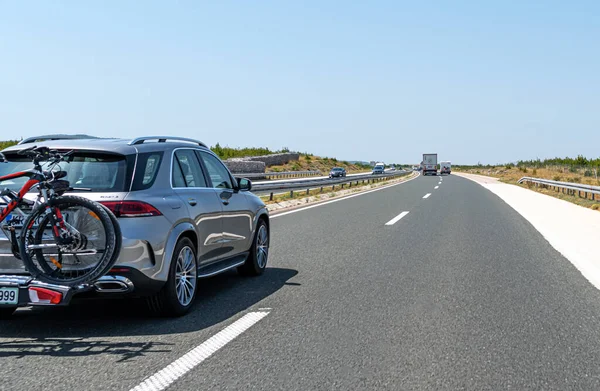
(309, 162)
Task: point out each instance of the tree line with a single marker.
(8, 143)
(229, 153)
(580, 161)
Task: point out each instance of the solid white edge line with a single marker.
(397, 218)
(427, 195)
(437, 187)
(168, 375)
(342, 198)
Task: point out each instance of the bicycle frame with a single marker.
(35, 177)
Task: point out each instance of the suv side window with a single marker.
(216, 170)
(147, 170)
(187, 171)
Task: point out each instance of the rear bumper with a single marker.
(29, 288)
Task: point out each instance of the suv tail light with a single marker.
(131, 208)
(44, 296)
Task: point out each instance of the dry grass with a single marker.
(562, 174)
(309, 163)
(512, 175)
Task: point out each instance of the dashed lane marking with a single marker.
(397, 218)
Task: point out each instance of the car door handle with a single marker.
(192, 201)
(225, 196)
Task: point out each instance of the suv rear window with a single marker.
(89, 171)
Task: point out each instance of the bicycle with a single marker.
(65, 240)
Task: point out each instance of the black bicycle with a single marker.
(64, 240)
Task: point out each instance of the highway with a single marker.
(411, 287)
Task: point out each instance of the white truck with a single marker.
(429, 163)
(445, 168)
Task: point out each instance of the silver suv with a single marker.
(182, 214)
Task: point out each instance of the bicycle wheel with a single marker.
(91, 242)
(51, 268)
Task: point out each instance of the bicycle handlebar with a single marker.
(39, 154)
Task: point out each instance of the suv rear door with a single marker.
(202, 202)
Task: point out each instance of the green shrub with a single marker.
(572, 169)
(6, 144)
(534, 172)
(588, 173)
(228, 153)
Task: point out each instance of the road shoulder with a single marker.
(571, 229)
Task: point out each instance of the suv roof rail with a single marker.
(162, 139)
(49, 137)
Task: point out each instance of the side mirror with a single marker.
(244, 184)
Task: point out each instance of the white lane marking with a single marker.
(437, 187)
(168, 375)
(427, 195)
(397, 218)
(342, 198)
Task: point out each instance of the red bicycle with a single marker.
(65, 240)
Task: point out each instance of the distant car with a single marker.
(445, 168)
(337, 172)
(378, 169)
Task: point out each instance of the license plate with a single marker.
(9, 295)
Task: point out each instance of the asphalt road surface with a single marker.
(459, 293)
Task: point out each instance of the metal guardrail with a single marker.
(565, 187)
(284, 174)
(291, 186)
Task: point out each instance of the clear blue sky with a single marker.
(380, 80)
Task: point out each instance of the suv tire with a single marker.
(256, 263)
(175, 299)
